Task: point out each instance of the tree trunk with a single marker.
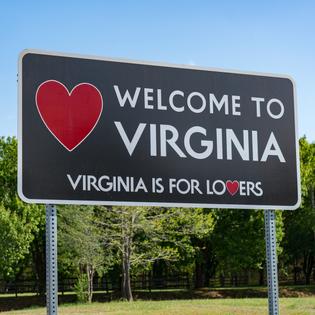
(38, 255)
(262, 276)
(199, 274)
(126, 256)
(248, 277)
(295, 275)
(158, 276)
(296, 271)
(234, 279)
(126, 284)
(90, 276)
(210, 266)
(222, 279)
(308, 264)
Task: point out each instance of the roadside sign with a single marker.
(101, 131)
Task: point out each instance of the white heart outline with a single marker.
(69, 93)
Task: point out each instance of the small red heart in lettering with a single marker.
(69, 116)
(232, 187)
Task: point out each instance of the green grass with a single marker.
(290, 306)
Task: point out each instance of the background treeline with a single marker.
(121, 244)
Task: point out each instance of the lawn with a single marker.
(253, 306)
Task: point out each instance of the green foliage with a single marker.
(239, 239)
(300, 224)
(81, 247)
(15, 241)
(96, 239)
(19, 222)
(81, 289)
(307, 169)
(188, 231)
(154, 233)
(80, 240)
(8, 170)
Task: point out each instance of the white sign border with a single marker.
(157, 204)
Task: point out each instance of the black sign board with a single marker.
(102, 131)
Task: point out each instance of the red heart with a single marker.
(232, 187)
(69, 116)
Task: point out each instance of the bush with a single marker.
(81, 289)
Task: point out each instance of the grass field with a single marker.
(254, 306)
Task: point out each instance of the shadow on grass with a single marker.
(21, 302)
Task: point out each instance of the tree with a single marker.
(239, 240)
(190, 233)
(15, 242)
(300, 224)
(143, 236)
(19, 221)
(80, 241)
(38, 252)
(140, 236)
(8, 170)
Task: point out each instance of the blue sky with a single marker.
(264, 36)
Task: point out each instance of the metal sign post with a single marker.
(51, 260)
(271, 258)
